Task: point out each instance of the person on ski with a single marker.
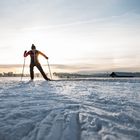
(35, 62)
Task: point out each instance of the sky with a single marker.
(76, 35)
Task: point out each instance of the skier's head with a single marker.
(33, 47)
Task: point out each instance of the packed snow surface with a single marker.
(84, 109)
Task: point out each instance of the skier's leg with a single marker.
(42, 72)
(32, 72)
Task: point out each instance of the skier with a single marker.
(35, 62)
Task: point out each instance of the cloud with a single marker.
(9, 66)
(76, 23)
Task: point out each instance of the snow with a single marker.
(84, 109)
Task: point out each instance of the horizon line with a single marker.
(78, 68)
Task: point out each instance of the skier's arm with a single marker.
(26, 53)
(43, 55)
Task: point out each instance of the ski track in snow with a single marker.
(98, 109)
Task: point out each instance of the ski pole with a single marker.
(49, 69)
(23, 69)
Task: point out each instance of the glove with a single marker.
(25, 53)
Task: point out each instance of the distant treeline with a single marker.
(11, 74)
(77, 75)
(103, 74)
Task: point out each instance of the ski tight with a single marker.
(39, 68)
